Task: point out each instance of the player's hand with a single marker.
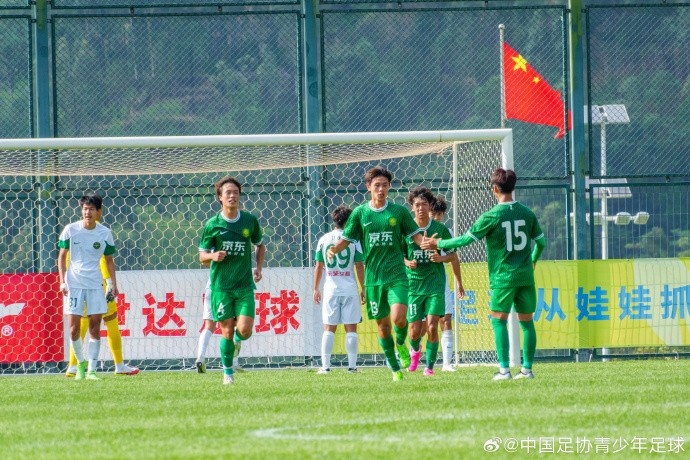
(218, 256)
(317, 296)
(436, 257)
(411, 264)
(430, 242)
(460, 290)
(64, 289)
(362, 297)
(109, 295)
(257, 275)
(330, 254)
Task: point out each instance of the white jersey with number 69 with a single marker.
(340, 271)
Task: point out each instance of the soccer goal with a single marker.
(157, 193)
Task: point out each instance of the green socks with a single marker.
(500, 327)
(389, 351)
(529, 343)
(227, 352)
(431, 353)
(400, 334)
(415, 344)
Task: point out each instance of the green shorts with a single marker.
(422, 305)
(382, 296)
(226, 305)
(523, 297)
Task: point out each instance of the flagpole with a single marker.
(501, 34)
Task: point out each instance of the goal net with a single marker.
(158, 192)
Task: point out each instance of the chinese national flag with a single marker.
(529, 97)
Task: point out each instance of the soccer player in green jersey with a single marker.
(427, 281)
(508, 228)
(226, 245)
(381, 227)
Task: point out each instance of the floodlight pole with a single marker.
(604, 198)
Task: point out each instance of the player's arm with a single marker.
(110, 264)
(539, 245)
(62, 268)
(359, 271)
(318, 273)
(337, 248)
(260, 256)
(455, 265)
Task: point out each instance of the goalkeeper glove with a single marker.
(109, 297)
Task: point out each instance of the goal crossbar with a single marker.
(192, 154)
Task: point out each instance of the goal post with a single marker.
(158, 191)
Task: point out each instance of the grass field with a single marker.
(299, 414)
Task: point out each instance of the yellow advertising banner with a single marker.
(583, 304)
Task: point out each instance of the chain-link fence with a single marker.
(174, 67)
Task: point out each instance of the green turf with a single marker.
(299, 414)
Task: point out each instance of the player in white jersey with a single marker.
(207, 333)
(453, 287)
(86, 241)
(341, 298)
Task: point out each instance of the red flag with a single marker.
(529, 97)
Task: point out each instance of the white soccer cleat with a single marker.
(228, 379)
(524, 375)
(448, 368)
(124, 369)
(502, 376)
(324, 371)
(71, 371)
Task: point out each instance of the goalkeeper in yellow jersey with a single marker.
(111, 324)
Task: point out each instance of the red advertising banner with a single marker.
(31, 326)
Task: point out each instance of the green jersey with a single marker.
(382, 233)
(236, 238)
(428, 277)
(509, 229)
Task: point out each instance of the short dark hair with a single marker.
(439, 205)
(91, 199)
(340, 216)
(504, 179)
(421, 192)
(227, 180)
(375, 172)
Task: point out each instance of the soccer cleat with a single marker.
(502, 376)
(124, 369)
(228, 379)
(404, 355)
(428, 372)
(92, 376)
(414, 360)
(448, 368)
(352, 370)
(397, 376)
(323, 371)
(71, 371)
(200, 367)
(81, 371)
(524, 375)
(237, 368)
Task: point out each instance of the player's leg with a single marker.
(351, 315)
(96, 307)
(435, 308)
(115, 341)
(501, 303)
(246, 309)
(525, 305)
(397, 299)
(379, 310)
(73, 308)
(415, 311)
(72, 365)
(447, 338)
(207, 331)
(223, 305)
